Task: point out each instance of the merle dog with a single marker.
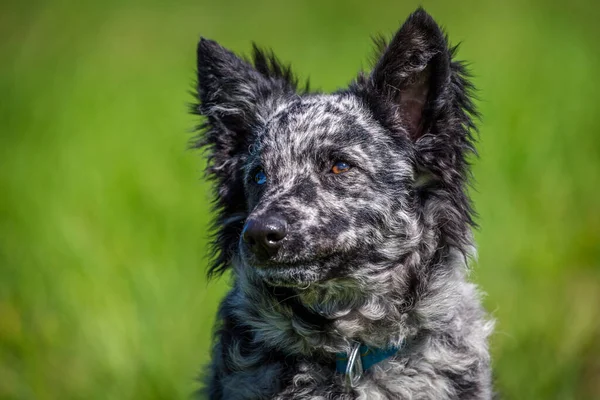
(346, 222)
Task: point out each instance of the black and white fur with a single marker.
(376, 255)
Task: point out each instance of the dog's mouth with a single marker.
(298, 274)
(291, 271)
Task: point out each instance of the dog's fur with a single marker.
(375, 255)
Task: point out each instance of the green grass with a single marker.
(104, 213)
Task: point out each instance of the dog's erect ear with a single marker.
(235, 95)
(236, 98)
(412, 73)
(417, 90)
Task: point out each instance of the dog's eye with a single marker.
(260, 177)
(340, 167)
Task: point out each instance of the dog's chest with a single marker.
(369, 390)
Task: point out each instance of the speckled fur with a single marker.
(376, 255)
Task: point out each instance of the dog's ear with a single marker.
(412, 74)
(418, 91)
(236, 98)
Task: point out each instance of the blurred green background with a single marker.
(104, 213)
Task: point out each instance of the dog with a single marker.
(345, 221)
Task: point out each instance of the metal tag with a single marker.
(354, 369)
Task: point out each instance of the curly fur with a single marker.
(376, 255)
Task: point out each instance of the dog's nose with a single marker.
(264, 235)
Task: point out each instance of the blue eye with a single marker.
(260, 177)
(340, 167)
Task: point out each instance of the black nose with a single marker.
(264, 235)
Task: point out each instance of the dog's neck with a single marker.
(420, 296)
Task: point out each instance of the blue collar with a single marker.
(366, 357)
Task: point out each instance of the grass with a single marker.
(104, 213)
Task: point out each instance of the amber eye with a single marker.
(340, 167)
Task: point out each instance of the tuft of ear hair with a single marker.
(419, 92)
(235, 96)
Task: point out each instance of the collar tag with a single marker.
(354, 368)
(360, 358)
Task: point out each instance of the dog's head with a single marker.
(315, 187)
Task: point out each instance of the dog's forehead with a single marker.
(323, 118)
(314, 109)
